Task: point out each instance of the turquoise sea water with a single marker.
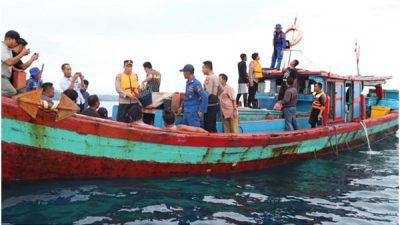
(356, 187)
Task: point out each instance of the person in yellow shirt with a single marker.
(255, 73)
(127, 87)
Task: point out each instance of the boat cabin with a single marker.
(345, 101)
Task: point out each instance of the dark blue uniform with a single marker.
(279, 44)
(33, 84)
(195, 100)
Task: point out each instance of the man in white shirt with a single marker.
(72, 83)
(7, 61)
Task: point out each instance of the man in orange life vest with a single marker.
(127, 87)
(255, 73)
(317, 107)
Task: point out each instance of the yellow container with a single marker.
(378, 111)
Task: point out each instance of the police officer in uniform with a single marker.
(195, 103)
(279, 43)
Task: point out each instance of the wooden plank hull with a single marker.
(82, 147)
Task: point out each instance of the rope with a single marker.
(336, 144)
(366, 133)
(330, 138)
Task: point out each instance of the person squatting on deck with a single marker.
(7, 61)
(169, 123)
(195, 102)
(94, 103)
(153, 78)
(85, 93)
(71, 94)
(255, 73)
(48, 92)
(135, 116)
(72, 83)
(317, 107)
(291, 71)
(279, 43)
(289, 102)
(228, 106)
(213, 90)
(35, 82)
(127, 87)
(243, 80)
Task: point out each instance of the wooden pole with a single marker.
(290, 47)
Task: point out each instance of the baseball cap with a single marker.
(34, 71)
(278, 26)
(128, 62)
(187, 68)
(12, 34)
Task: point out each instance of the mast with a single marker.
(290, 47)
(357, 51)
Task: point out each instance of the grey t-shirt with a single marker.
(6, 53)
(154, 83)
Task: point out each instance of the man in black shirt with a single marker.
(243, 80)
(20, 65)
(291, 71)
(94, 103)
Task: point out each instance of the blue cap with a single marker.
(34, 71)
(187, 68)
(278, 26)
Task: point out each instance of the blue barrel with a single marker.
(114, 112)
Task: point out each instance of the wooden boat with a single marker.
(85, 147)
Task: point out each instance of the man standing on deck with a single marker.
(291, 71)
(243, 80)
(85, 93)
(289, 106)
(213, 89)
(69, 82)
(195, 103)
(255, 73)
(7, 61)
(153, 78)
(127, 87)
(279, 43)
(317, 107)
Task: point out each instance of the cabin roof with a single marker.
(327, 75)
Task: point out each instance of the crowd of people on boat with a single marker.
(200, 101)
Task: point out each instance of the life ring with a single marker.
(296, 39)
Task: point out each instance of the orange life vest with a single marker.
(257, 70)
(129, 83)
(316, 104)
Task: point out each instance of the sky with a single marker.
(95, 36)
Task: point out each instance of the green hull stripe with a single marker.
(14, 131)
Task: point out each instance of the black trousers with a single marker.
(123, 112)
(313, 121)
(282, 90)
(244, 99)
(210, 118)
(252, 95)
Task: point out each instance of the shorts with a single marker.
(242, 88)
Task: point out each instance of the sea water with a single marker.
(351, 188)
